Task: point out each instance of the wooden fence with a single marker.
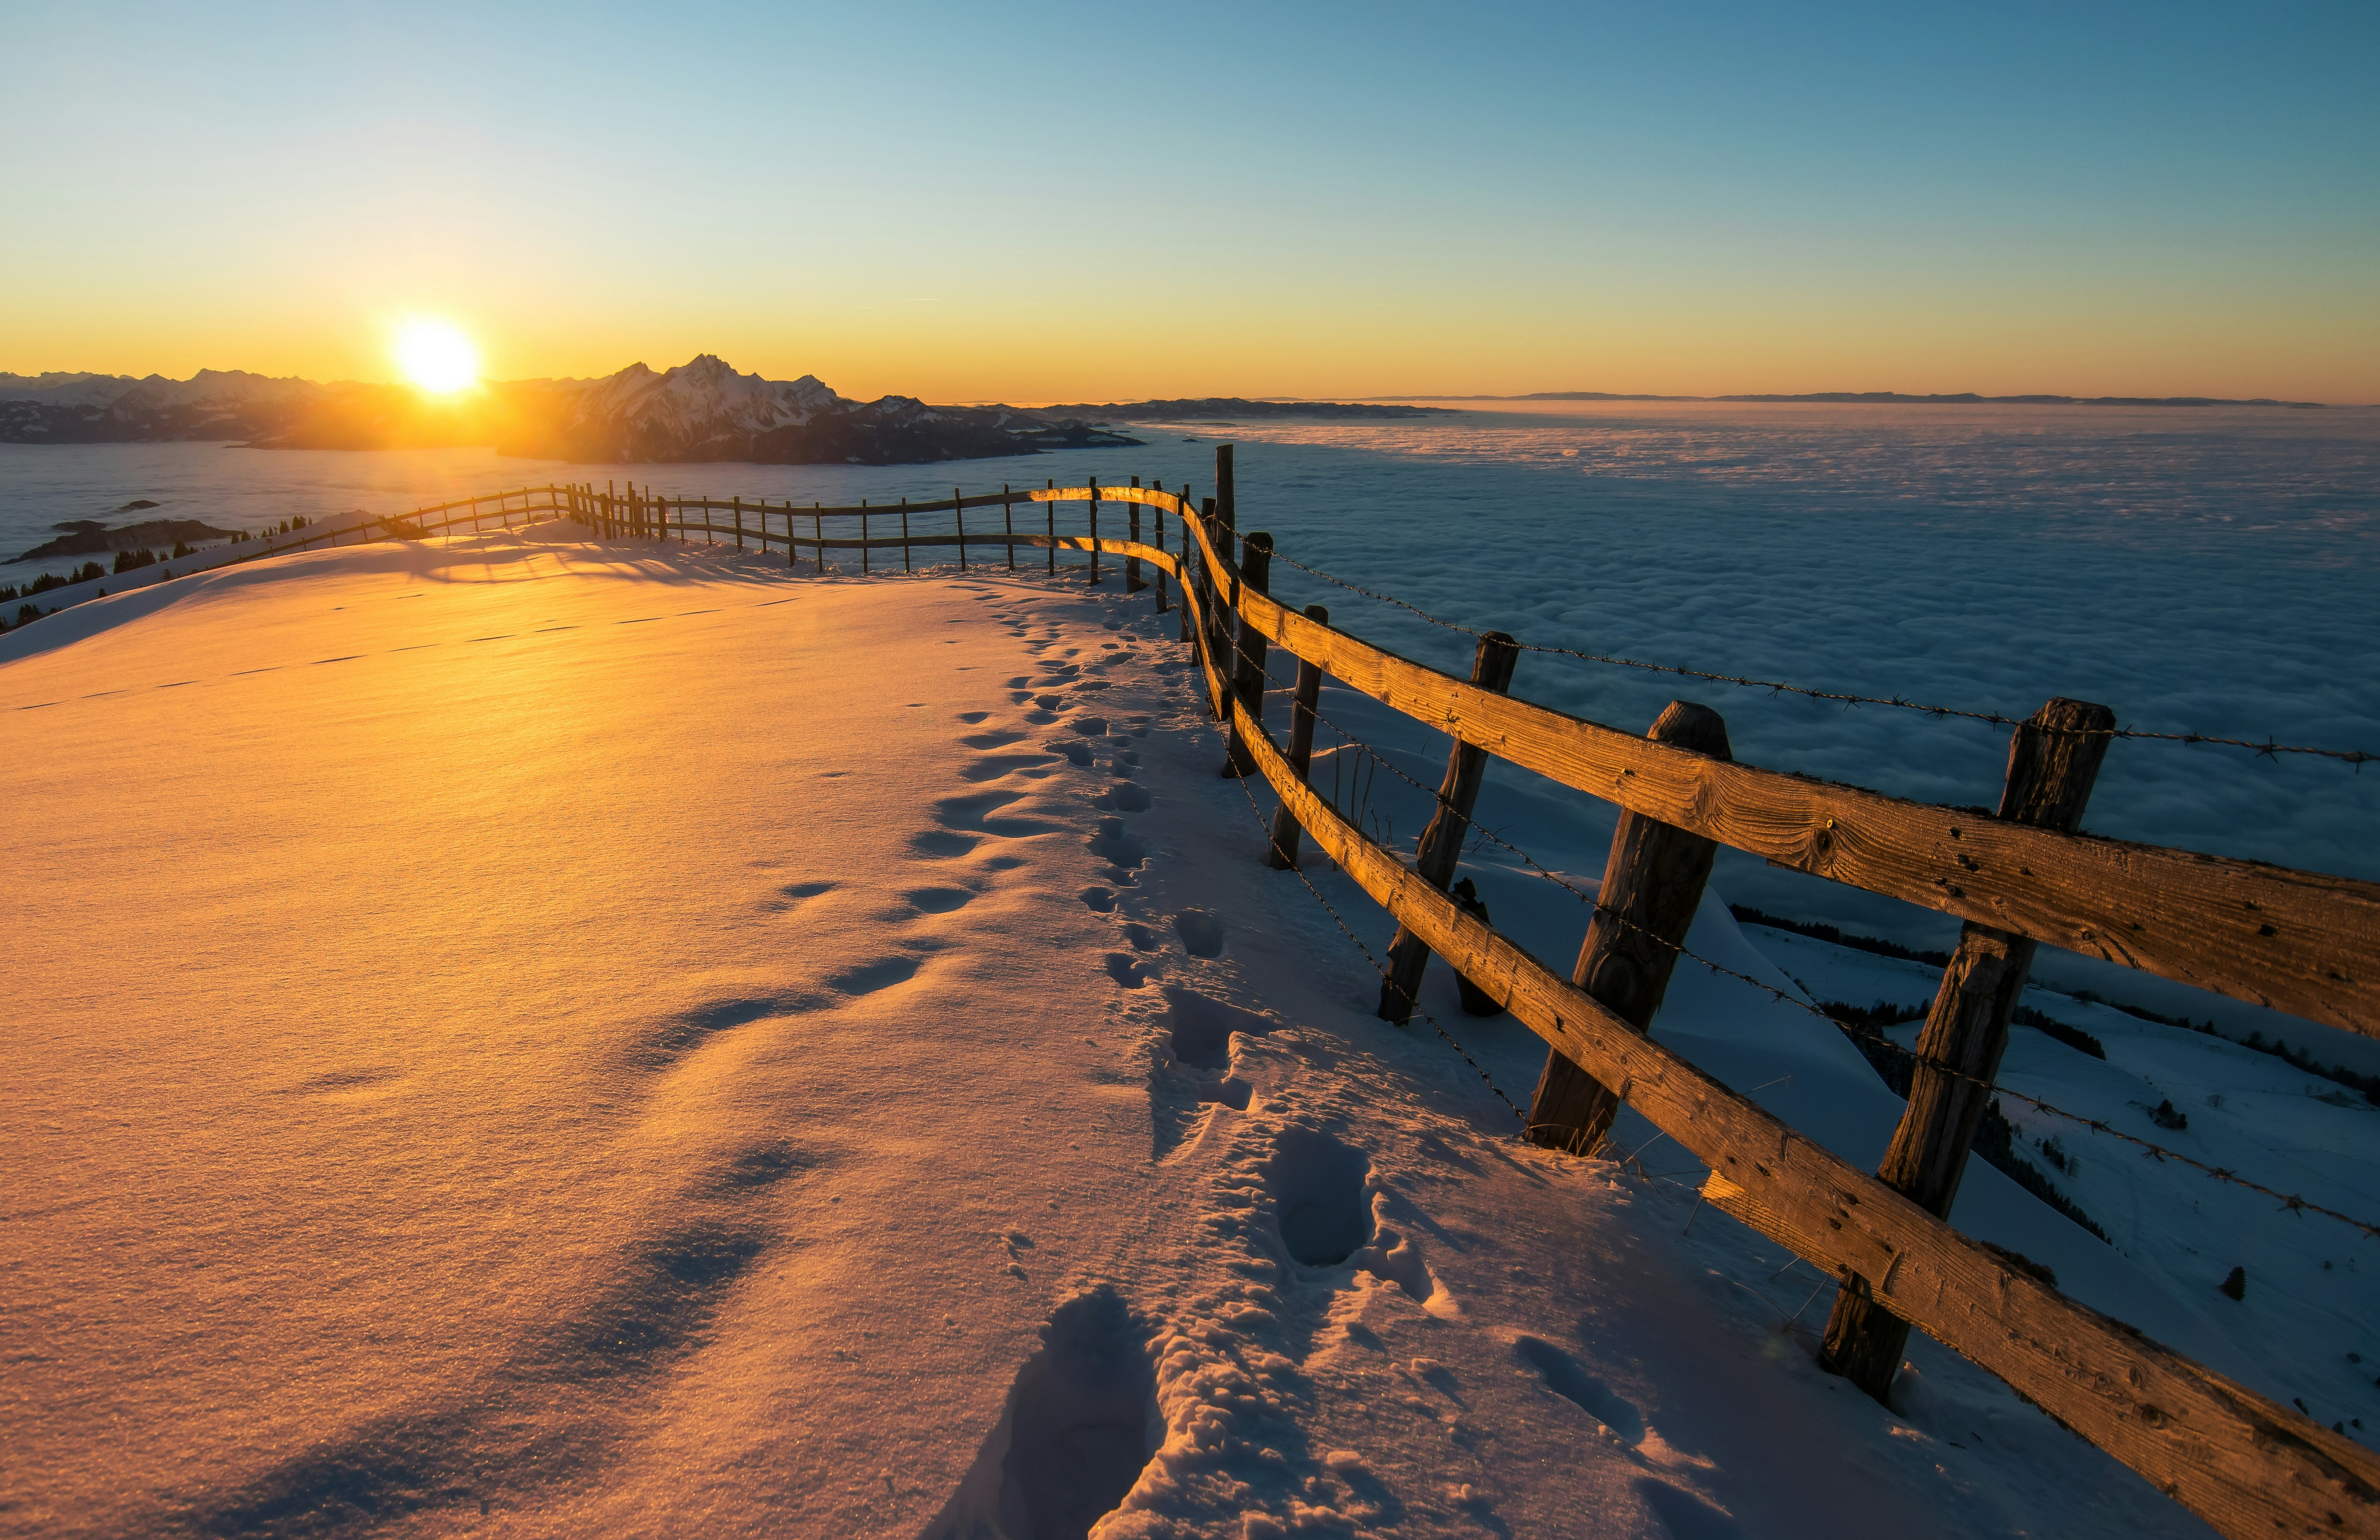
(2297, 942)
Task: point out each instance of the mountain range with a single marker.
(701, 410)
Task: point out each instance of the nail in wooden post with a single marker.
(2054, 760)
(1008, 524)
(1249, 676)
(1285, 828)
(1652, 883)
(1095, 532)
(1441, 843)
(1132, 583)
(958, 510)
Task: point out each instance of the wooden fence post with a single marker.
(789, 534)
(738, 505)
(863, 537)
(1285, 828)
(1189, 557)
(1052, 509)
(958, 511)
(904, 534)
(1652, 883)
(1132, 583)
(1248, 674)
(1095, 532)
(1158, 510)
(1008, 524)
(1442, 843)
(2054, 759)
(1209, 622)
(611, 509)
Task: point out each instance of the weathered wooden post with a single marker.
(863, 537)
(1223, 528)
(818, 533)
(1008, 525)
(1286, 829)
(2054, 760)
(1132, 583)
(738, 505)
(1051, 507)
(611, 509)
(1652, 883)
(1158, 510)
(1209, 622)
(958, 511)
(1442, 843)
(904, 534)
(1095, 532)
(789, 534)
(1189, 558)
(1248, 674)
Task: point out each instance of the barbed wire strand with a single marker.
(1266, 828)
(2270, 748)
(2097, 1125)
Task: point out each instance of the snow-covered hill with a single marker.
(651, 1043)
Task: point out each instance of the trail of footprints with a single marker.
(1297, 1211)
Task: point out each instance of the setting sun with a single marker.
(436, 356)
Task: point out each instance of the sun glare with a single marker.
(436, 356)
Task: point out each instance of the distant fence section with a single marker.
(2297, 942)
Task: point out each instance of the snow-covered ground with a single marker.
(524, 1036)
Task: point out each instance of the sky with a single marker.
(1071, 202)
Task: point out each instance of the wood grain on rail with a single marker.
(2245, 1464)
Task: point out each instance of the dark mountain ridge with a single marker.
(701, 410)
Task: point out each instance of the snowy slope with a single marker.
(651, 1044)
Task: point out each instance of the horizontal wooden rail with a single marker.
(2299, 941)
(2245, 1464)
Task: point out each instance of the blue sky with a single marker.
(1324, 200)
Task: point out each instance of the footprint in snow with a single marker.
(1566, 1378)
(1201, 933)
(1318, 1198)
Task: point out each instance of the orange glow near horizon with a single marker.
(436, 356)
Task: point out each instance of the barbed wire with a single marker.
(1385, 975)
(2097, 1125)
(2270, 748)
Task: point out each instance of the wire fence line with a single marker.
(1265, 826)
(2097, 1125)
(2270, 750)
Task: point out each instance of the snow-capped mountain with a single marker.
(60, 407)
(687, 412)
(702, 409)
